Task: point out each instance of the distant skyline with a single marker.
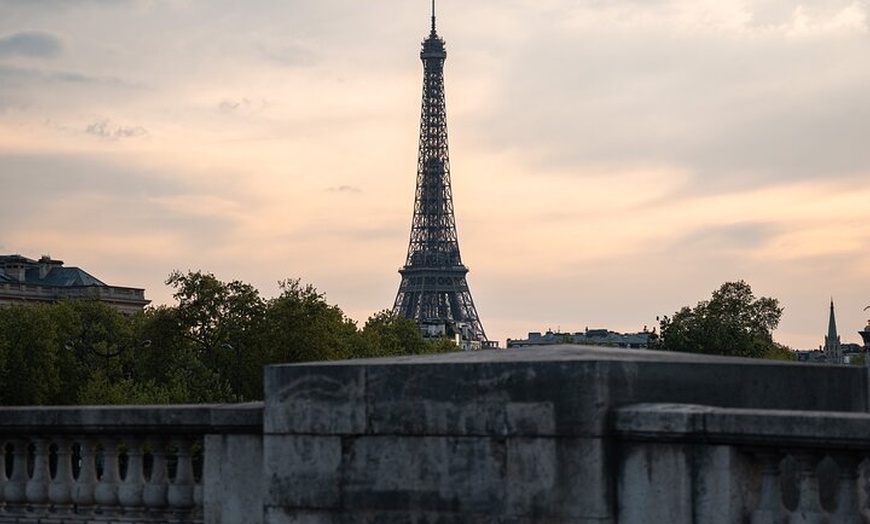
(611, 161)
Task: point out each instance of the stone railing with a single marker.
(532, 436)
(547, 435)
(689, 463)
(129, 464)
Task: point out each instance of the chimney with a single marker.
(45, 264)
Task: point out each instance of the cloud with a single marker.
(100, 202)
(103, 129)
(736, 107)
(244, 106)
(344, 189)
(32, 44)
(20, 75)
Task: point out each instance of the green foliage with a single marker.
(212, 346)
(212, 313)
(780, 352)
(387, 334)
(300, 326)
(733, 322)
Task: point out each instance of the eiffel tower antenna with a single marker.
(433, 16)
(434, 291)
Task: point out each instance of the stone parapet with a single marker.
(511, 436)
(528, 436)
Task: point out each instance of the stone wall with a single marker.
(513, 437)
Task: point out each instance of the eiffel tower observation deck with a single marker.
(434, 290)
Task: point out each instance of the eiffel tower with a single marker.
(433, 290)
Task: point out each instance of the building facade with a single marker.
(24, 280)
(589, 337)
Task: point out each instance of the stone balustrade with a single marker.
(547, 435)
(570, 434)
(124, 464)
(690, 463)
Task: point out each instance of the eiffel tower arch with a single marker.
(434, 290)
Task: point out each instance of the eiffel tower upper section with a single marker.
(433, 288)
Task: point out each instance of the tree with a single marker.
(211, 346)
(733, 322)
(31, 344)
(387, 334)
(221, 320)
(214, 313)
(301, 326)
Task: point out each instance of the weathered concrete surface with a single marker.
(138, 420)
(715, 425)
(511, 436)
(233, 479)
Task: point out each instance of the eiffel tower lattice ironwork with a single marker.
(434, 288)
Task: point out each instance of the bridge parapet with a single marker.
(528, 436)
(128, 464)
(690, 463)
(570, 434)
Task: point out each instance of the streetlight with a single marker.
(238, 378)
(108, 355)
(865, 335)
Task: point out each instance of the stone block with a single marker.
(558, 478)
(654, 484)
(309, 399)
(655, 420)
(425, 475)
(550, 398)
(423, 400)
(233, 479)
(303, 471)
(725, 485)
(279, 515)
(737, 383)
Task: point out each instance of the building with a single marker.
(589, 337)
(23, 280)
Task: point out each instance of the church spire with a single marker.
(833, 349)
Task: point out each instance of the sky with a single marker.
(612, 160)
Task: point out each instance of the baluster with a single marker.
(15, 490)
(848, 511)
(36, 490)
(106, 492)
(770, 509)
(130, 491)
(809, 509)
(86, 483)
(60, 489)
(180, 492)
(154, 493)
